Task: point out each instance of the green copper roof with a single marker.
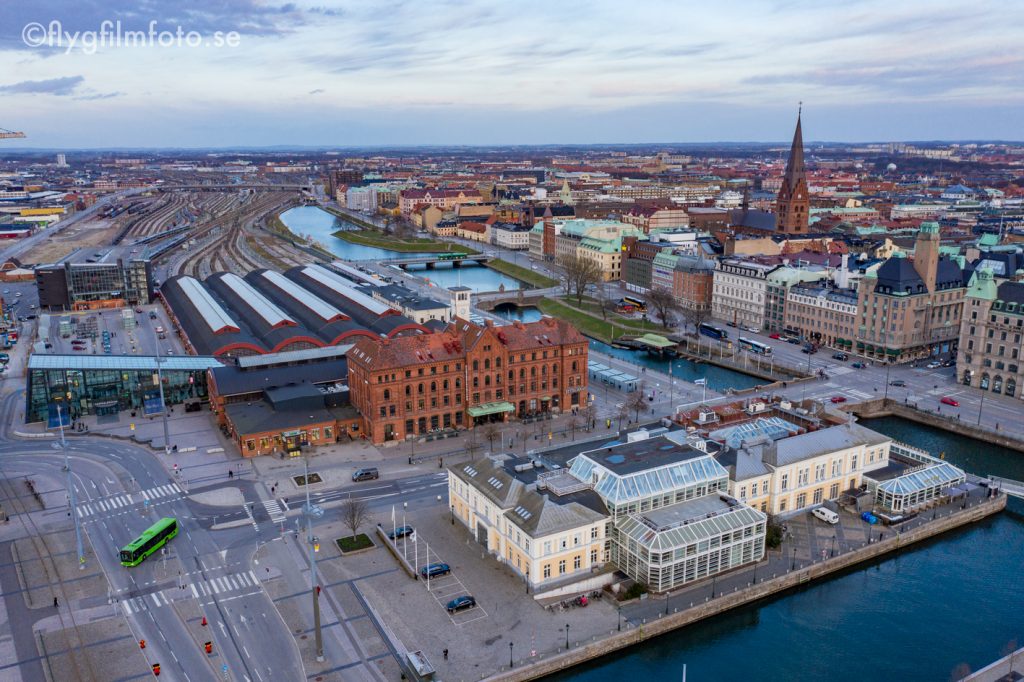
(982, 286)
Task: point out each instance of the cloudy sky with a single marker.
(376, 72)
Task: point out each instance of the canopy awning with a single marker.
(491, 408)
(655, 341)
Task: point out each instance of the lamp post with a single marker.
(71, 491)
(453, 513)
(314, 588)
(510, 661)
(793, 567)
(714, 581)
(887, 366)
(619, 609)
(163, 403)
(566, 636)
(981, 405)
(833, 544)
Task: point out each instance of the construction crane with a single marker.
(5, 134)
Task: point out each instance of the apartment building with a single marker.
(991, 334)
(822, 314)
(445, 199)
(740, 292)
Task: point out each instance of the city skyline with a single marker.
(341, 74)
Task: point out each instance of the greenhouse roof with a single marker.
(688, 522)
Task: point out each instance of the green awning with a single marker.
(892, 351)
(860, 345)
(491, 408)
(655, 341)
(840, 341)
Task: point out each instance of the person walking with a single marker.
(55, 604)
(445, 653)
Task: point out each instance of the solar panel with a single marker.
(270, 313)
(216, 318)
(339, 285)
(319, 306)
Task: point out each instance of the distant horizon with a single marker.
(810, 145)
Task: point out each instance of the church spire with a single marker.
(793, 203)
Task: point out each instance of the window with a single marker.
(593, 533)
(817, 495)
(577, 562)
(547, 570)
(785, 482)
(593, 557)
(764, 487)
(853, 463)
(561, 567)
(801, 500)
(833, 492)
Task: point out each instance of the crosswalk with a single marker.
(120, 502)
(275, 511)
(138, 604)
(227, 583)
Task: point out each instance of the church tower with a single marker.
(792, 206)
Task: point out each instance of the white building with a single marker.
(362, 199)
(510, 236)
(740, 292)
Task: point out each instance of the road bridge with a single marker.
(1009, 486)
(456, 259)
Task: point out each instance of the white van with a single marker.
(826, 515)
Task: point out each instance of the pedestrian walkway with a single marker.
(225, 584)
(273, 508)
(139, 604)
(116, 503)
(248, 512)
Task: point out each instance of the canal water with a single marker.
(921, 614)
(719, 378)
(320, 226)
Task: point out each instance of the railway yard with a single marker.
(183, 229)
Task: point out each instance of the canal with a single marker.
(921, 614)
(319, 225)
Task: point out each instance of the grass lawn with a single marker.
(350, 544)
(591, 325)
(522, 274)
(393, 243)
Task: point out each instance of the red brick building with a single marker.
(466, 375)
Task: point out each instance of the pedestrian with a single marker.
(55, 602)
(231, 474)
(445, 653)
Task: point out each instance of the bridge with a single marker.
(456, 259)
(519, 297)
(1009, 486)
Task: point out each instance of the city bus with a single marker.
(713, 331)
(755, 346)
(634, 303)
(152, 539)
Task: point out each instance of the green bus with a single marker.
(154, 537)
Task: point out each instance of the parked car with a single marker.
(840, 356)
(752, 330)
(826, 515)
(365, 474)
(933, 365)
(792, 340)
(838, 399)
(435, 570)
(459, 603)
(400, 532)
(949, 363)
(777, 337)
(898, 383)
(946, 400)
(858, 365)
(730, 324)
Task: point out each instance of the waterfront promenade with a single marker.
(801, 559)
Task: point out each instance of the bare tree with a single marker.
(490, 431)
(637, 401)
(579, 274)
(589, 414)
(574, 423)
(664, 305)
(696, 316)
(354, 512)
(623, 413)
(472, 446)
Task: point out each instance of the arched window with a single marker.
(408, 389)
(497, 363)
(554, 368)
(984, 381)
(533, 371)
(575, 366)
(433, 387)
(522, 373)
(476, 365)
(1011, 387)
(543, 370)
(445, 384)
(458, 382)
(419, 389)
(487, 380)
(511, 375)
(997, 384)
(387, 394)
(487, 363)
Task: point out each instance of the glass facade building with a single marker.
(107, 385)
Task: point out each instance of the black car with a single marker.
(840, 356)
(899, 383)
(435, 570)
(793, 340)
(400, 532)
(464, 602)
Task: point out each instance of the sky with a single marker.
(446, 72)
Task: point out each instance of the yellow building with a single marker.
(544, 538)
(794, 473)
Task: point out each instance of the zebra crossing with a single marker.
(138, 604)
(275, 511)
(226, 583)
(120, 502)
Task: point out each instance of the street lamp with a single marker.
(833, 544)
(620, 617)
(793, 568)
(510, 662)
(453, 514)
(566, 636)
(981, 405)
(714, 581)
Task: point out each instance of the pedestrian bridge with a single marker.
(456, 259)
(1009, 486)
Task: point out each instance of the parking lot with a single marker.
(83, 332)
